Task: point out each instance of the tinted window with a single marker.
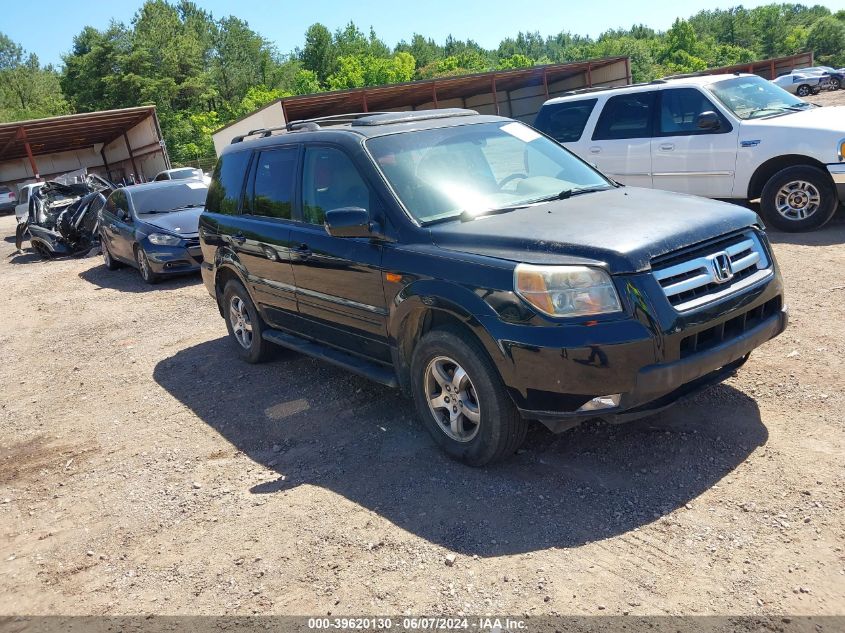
(161, 177)
(272, 187)
(180, 195)
(330, 181)
(227, 183)
(679, 110)
(565, 122)
(626, 116)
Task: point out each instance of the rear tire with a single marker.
(244, 324)
(108, 260)
(803, 90)
(461, 399)
(799, 198)
(835, 84)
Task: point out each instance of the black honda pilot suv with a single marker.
(483, 269)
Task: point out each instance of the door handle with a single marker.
(667, 147)
(595, 150)
(239, 238)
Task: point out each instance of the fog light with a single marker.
(602, 402)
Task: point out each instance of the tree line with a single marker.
(202, 72)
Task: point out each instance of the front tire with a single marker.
(461, 399)
(244, 324)
(803, 90)
(800, 198)
(144, 267)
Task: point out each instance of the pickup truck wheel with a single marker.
(800, 198)
(461, 399)
(803, 90)
(244, 324)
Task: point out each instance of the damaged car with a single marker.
(63, 216)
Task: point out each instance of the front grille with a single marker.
(715, 269)
(730, 329)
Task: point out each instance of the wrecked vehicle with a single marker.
(63, 216)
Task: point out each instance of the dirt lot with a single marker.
(145, 470)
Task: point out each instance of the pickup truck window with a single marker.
(626, 116)
(679, 110)
(753, 97)
(271, 191)
(440, 173)
(565, 122)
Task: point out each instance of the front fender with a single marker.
(226, 262)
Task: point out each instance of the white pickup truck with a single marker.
(722, 136)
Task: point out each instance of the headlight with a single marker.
(162, 239)
(566, 290)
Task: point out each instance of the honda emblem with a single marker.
(722, 269)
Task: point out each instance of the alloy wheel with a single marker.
(144, 265)
(452, 399)
(240, 321)
(797, 200)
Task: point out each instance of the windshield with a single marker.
(445, 172)
(166, 199)
(753, 97)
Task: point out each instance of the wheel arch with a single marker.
(416, 314)
(772, 166)
(225, 273)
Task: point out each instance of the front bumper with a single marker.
(837, 172)
(172, 260)
(650, 360)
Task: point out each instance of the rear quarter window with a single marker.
(227, 183)
(565, 122)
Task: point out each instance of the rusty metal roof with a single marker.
(416, 93)
(69, 132)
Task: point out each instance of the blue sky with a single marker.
(47, 27)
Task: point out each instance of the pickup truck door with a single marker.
(687, 159)
(339, 286)
(621, 141)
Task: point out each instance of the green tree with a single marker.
(27, 90)
(826, 39)
(318, 56)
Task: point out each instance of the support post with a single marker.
(284, 112)
(589, 75)
(629, 78)
(106, 163)
(772, 70)
(434, 93)
(364, 99)
(162, 143)
(495, 96)
(132, 158)
(22, 132)
(546, 81)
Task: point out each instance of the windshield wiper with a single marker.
(466, 215)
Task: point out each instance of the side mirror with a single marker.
(349, 222)
(708, 121)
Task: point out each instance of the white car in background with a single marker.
(24, 194)
(802, 84)
(734, 137)
(7, 199)
(183, 173)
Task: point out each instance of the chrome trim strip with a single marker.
(693, 173)
(759, 276)
(318, 295)
(631, 173)
(837, 172)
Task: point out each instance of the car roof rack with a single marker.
(363, 119)
(578, 91)
(700, 73)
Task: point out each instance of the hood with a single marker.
(828, 119)
(185, 222)
(623, 228)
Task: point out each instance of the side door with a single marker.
(117, 230)
(687, 158)
(338, 280)
(621, 141)
(262, 237)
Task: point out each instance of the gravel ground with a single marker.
(143, 469)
